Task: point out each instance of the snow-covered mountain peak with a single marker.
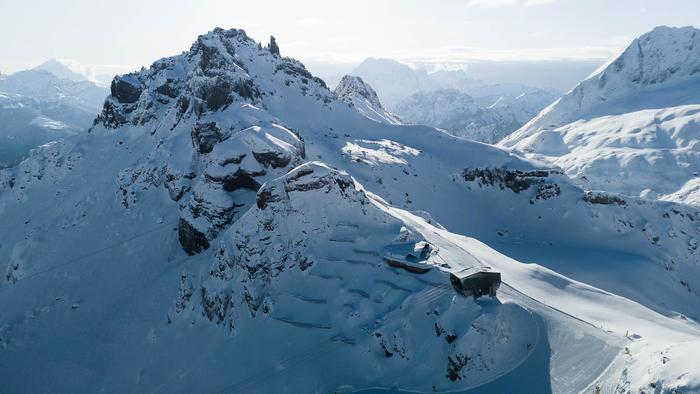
(656, 56)
(350, 85)
(60, 70)
(305, 231)
(631, 127)
(221, 67)
(658, 69)
(218, 98)
(358, 94)
(394, 80)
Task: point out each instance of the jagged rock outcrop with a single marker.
(542, 181)
(274, 48)
(126, 89)
(191, 239)
(205, 136)
(255, 251)
(235, 154)
(358, 94)
(208, 78)
(234, 171)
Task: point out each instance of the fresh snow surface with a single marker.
(223, 228)
(633, 153)
(657, 70)
(631, 127)
(354, 91)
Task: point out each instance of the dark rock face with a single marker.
(210, 59)
(169, 89)
(205, 136)
(547, 191)
(178, 184)
(216, 306)
(216, 93)
(272, 159)
(298, 70)
(603, 199)
(232, 160)
(455, 366)
(241, 180)
(294, 69)
(126, 89)
(191, 239)
(301, 180)
(516, 180)
(274, 49)
(111, 117)
(266, 196)
(247, 90)
(316, 184)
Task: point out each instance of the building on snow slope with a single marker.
(222, 226)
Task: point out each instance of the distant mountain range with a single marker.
(453, 100)
(486, 119)
(632, 126)
(44, 104)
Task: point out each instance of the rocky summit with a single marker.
(229, 224)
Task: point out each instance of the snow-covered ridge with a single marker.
(214, 93)
(350, 85)
(354, 91)
(211, 76)
(649, 152)
(45, 86)
(658, 69)
(631, 127)
(227, 208)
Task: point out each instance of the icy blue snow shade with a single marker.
(297, 260)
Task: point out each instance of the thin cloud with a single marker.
(539, 2)
(295, 44)
(507, 3)
(339, 40)
(461, 55)
(311, 22)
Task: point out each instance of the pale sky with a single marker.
(119, 36)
